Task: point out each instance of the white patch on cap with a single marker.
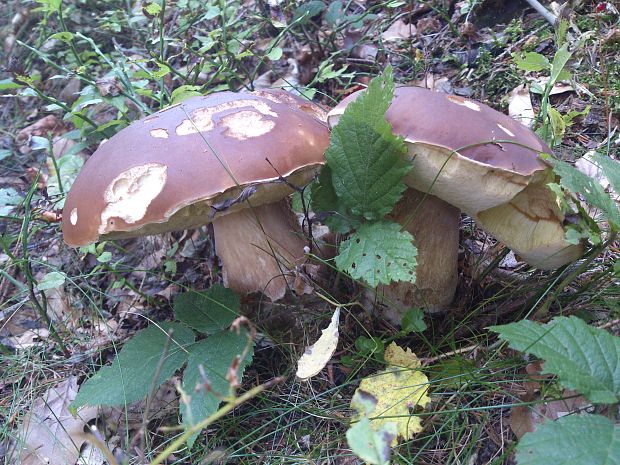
(73, 217)
(159, 133)
(507, 131)
(245, 124)
(466, 103)
(202, 118)
(130, 193)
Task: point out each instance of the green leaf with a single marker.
(378, 253)
(584, 358)
(68, 167)
(6, 84)
(64, 36)
(306, 11)
(131, 374)
(275, 54)
(574, 440)
(51, 281)
(208, 312)
(371, 446)
(216, 355)
(9, 199)
(610, 169)
(5, 153)
(531, 61)
(577, 182)
(560, 59)
(325, 200)
(367, 161)
(153, 9)
(183, 93)
(413, 321)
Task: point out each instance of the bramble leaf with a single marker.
(216, 355)
(208, 312)
(585, 359)
(131, 374)
(591, 190)
(574, 439)
(378, 253)
(367, 161)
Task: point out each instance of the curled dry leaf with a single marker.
(316, 356)
(43, 127)
(526, 418)
(50, 434)
(399, 30)
(520, 105)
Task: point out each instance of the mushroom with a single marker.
(483, 163)
(227, 159)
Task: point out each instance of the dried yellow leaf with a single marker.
(399, 388)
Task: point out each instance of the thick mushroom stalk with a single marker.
(434, 224)
(259, 248)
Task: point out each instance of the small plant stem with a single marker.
(231, 405)
(549, 17)
(41, 308)
(152, 389)
(63, 26)
(543, 311)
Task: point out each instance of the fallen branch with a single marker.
(550, 17)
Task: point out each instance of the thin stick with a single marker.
(550, 17)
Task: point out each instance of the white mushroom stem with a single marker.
(258, 247)
(434, 225)
(531, 224)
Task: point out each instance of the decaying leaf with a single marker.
(316, 356)
(397, 390)
(526, 418)
(399, 30)
(50, 435)
(520, 105)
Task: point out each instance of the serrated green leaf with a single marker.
(208, 312)
(574, 440)
(131, 374)
(215, 354)
(531, 61)
(379, 253)
(371, 446)
(367, 161)
(578, 182)
(610, 169)
(584, 358)
(325, 200)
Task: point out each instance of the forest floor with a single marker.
(70, 80)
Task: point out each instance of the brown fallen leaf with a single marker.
(49, 434)
(526, 418)
(399, 30)
(43, 127)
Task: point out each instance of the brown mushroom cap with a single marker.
(165, 172)
(484, 163)
(466, 155)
